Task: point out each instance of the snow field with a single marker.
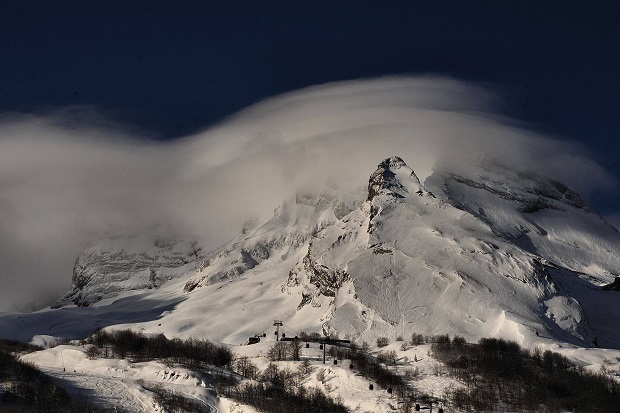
(114, 382)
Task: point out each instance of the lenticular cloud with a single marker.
(67, 179)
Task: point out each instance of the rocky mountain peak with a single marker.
(393, 162)
(394, 178)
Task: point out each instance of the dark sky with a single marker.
(174, 67)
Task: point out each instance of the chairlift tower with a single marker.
(277, 324)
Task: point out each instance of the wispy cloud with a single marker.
(70, 177)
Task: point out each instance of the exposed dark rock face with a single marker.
(385, 179)
(614, 286)
(327, 280)
(104, 271)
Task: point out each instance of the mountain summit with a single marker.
(394, 177)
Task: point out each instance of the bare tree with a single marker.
(305, 368)
(278, 351)
(294, 349)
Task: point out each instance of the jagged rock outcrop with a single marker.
(289, 230)
(121, 265)
(395, 178)
(614, 286)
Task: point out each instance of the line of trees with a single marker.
(138, 347)
(285, 350)
(371, 368)
(498, 372)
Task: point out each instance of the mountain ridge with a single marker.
(448, 256)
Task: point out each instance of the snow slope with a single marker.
(119, 383)
(536, 213)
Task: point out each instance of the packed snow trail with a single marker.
(107, 391)
(104, 391)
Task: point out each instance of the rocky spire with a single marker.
(393, 177)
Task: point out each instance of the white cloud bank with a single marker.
(69, 178)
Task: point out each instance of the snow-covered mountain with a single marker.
(482, 251)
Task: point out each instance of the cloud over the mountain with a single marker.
(70, 177)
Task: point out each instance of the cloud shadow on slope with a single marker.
(80, 322)
(601, 308)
